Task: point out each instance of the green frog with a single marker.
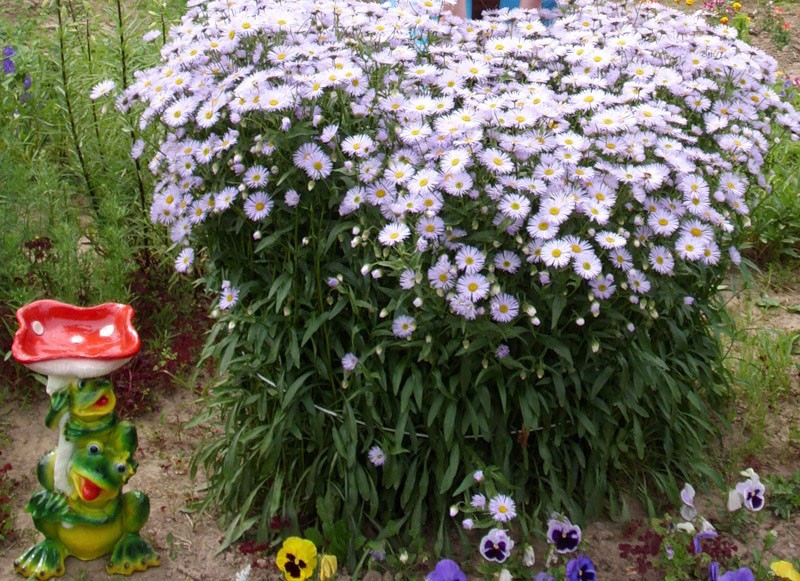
(83, 512)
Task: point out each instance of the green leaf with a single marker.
(559, 302)
(452, 469)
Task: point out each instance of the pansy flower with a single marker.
(580, 569)
(564, 535)
(496, 545)
(446, 570)
(297, 558)
(752, 493)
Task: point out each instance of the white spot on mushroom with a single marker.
(107, 331)
(76, 339)
(37, 327)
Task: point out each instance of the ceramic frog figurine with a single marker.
(85, 405)
(82, 511)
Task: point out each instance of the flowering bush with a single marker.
(441, 241)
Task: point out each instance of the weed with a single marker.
(784, 497)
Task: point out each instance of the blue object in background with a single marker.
(546, 5)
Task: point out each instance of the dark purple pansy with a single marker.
(496, 546)
(9, 51)
(581, 569)
(8, 66)
(446, 570)
(563, 534)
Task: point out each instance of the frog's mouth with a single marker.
(88, 490)
(102, 406)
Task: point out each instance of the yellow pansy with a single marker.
(785, 570)
(736, 6)
(327, 567)
(297, 558)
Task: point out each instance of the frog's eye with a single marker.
(93, 449)
(121, 468)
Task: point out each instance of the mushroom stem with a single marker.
(56, 383)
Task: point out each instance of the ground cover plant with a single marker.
(430, 262)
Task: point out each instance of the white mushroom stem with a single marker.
(56, 383)
(64, 452)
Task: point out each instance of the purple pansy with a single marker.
(563, 534)
(446, 570)
(752, 492)
(580, 569)
(743, 574)
(496, 545)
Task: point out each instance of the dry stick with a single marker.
(70, 112)
(137, 165)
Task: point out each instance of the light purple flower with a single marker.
(349, 362)
(478, 501)
(376, 456)
(502, 508)
(688, 512)
(696, 543)
(404, 326)
(446, 570)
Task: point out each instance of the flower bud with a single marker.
(403, 558)
(529, 557)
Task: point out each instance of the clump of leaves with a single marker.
(784, 495)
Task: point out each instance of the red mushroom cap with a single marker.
(50, 330)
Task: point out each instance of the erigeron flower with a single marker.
(376, 456)
(502, 508)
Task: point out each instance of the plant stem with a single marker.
(138, 169)
(73, 126)
(90, 59)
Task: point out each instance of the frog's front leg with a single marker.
(43, 561)
(132, 552)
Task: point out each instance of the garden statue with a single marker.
(82, 510)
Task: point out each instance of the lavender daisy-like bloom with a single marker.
(229, 297)
(478, 501)
(580, 569)
(446, 570)
(102, 89)
(502, 351)
(564, 535)
(502, 508)
(688, 512)
(376, 456)
(496, 546)
(184, 260)
(404, 326)
(349, 362)
(752, 493)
